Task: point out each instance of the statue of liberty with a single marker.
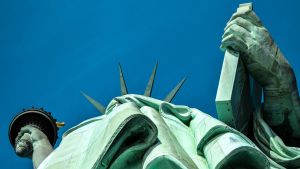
(139, 131)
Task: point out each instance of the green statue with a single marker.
(138, 131)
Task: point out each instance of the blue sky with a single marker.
(52, 50)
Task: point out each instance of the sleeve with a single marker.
(223, 146)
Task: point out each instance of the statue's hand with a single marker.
(245, 33)
(27, 139)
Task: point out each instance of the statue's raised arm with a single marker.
(32, 143)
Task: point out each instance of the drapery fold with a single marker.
(142, 132)
(272, 145)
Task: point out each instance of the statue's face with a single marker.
(23, 145)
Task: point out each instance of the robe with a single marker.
(139, 132)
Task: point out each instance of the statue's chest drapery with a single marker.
(142, 132)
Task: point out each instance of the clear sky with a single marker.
(51, 50)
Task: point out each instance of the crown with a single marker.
(147, 92)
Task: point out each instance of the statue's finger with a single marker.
(247, 15)
(241, 22)
(19, 136)
(233, 42)
(237, 31)
(25, 129)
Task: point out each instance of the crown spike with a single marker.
(122, 81)
(96, 104)
(149, 87)
(173, 93)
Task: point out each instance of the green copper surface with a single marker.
(140, 132)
